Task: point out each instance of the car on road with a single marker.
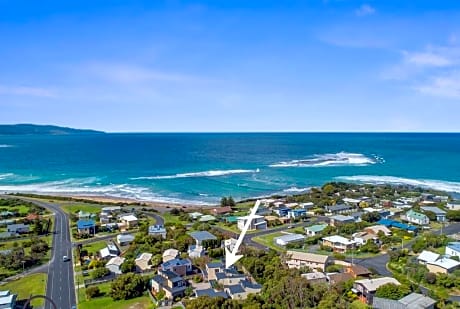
(290, 227)
(65, 258)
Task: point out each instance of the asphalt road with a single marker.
(60, 286)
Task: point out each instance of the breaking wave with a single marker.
(212, 173)
(7, 175)
(447, 186)
(331, 159)
(296, 190)
(5, 146)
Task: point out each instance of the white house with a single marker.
(453, 249)
(114, 264)
(257, 223)
(288, 239)
(338, 243)
(416, 218)
(297, 259)
(427, 256)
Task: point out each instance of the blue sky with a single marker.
(231, 65)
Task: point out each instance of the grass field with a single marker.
(169, 218)
(267, 240)
(95, 246)
(34, 284)
(74, 208)
(106, 302)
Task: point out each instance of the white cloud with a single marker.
(365, 10)
(26, 91)
(447, 86)
(427, 59)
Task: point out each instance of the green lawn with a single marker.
(106, 302)
(169, 218)
(74, 208)
(30, 285)
(267, 240)
(95, 246)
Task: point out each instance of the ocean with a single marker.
(201, 168)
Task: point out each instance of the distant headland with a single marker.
(34, 129)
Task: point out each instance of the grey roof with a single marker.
(342, 218)
(383, 303)
(202, 235)
(436, 210)
(235, 289)
(338, 207)
(415, 301)
(211, 293)
(215, 265)
(250, 285)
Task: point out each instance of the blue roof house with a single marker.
(453, 249)
(296, 213)
(87, 227)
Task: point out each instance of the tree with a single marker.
(92, 291)
(453, 215)
(230, 201)
(430, 278)
(99, 273)
(223, 201)
(128, 266)
(392, 291)
(127, 286)
(371, 217)
(431, 215)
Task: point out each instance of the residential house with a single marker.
(453, 205)
(340, 219)
(212, 269)
(336, 278)
(291, 205)
(375, 229)
(288, 239)
(114, 264)
(416, 218)
(358, 271)
(179, 266)
(453, 249)
(7, 300)
(19, 228)
(427, 256)
(440, 214)
(366, 288)
(242, 290)
(157, 230)
(357, 216)
(352, 201)
(109, 252)
(257, 223)
(4, 235)
(411, 301)
(338, 243)
(361, 238)
(338, 209)
(221, 210)
(281, 211)
(195, 215)
(230, 243)
(170, 254)
(396, 224)
(442, 266)
(129, 221)
(125, 239)
(170, 282)
(297, 259)
(210, 292)
(296, 213)
(207, 218)
(144, 262)
(315, 277)
(315, 229)
(263, 211)
(201, 236)
(196, 251)
(86, 227)
(83, 215)
(307, 206)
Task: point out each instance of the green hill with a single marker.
(33, 129)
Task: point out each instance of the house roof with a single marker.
(215, 265)
(338, 207)
(117, 261)
(377, 228)
(342, 218)
(125, 237)
(7, 300)
(222, 210)
(314, 276)
(104, 252)
(305, 256)
(415, 215)
(339, 239)
(445, 263)
(253, 217)
(374, 284)
(397, 224)
(85, 224)
(359, 270)
(290, 237)
(176, 262)
(211, 293)
(455, 245)
(202, 235)
(129, 218)
(384, 303)
(417, 301)
(171, 252)
(298, 210)
(195, 214)
(428, 256)
(335, 278)
(157, 229)
(144, 257)
(235, 289)
(207, 218)
(316, 228)
(436, 210)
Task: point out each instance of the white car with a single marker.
(65, 258)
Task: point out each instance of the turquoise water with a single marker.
(200, 168)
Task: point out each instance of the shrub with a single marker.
(92, 291)
(100, 272)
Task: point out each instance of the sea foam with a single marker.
(296, 190)
(331, 159)
(211, 173)
(447, 186)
